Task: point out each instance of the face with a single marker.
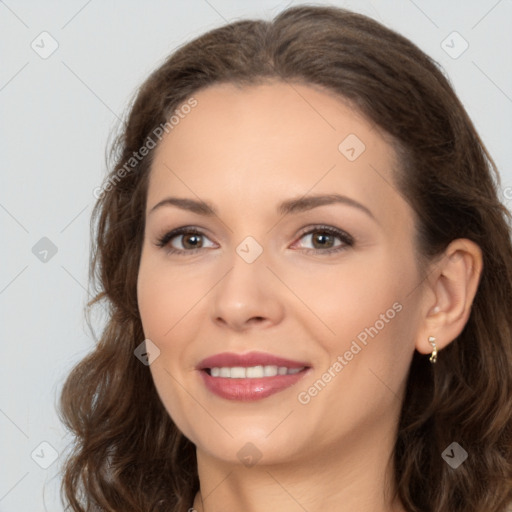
(303, 265)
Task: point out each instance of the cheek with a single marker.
(365, 309)
(162, 295)
(169, 300)
(181, 408)
(152, 301)
(161, 306)
(353, 297)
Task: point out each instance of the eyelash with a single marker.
(347, 240)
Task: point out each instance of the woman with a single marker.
(309, 279)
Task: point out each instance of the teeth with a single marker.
(237, 372)
(270, 371)
(225, 372)
(253, 372)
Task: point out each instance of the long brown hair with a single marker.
(128, 455)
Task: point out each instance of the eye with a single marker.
(189, 238)
(324, 238)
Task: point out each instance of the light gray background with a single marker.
(56, 117)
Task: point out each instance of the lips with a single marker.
(230, 359)
(251, 376)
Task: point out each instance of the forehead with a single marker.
(269, 140)
(283, 115)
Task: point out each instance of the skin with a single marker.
(246, 150)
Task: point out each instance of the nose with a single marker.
(248, 296)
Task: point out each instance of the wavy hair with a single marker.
(127, 453)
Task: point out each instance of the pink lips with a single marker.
(249, 389)
(245, 360)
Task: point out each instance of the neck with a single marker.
(357, 474)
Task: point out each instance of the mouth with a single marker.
(251, 372)
(249, 377)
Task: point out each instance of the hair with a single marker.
(127, 453)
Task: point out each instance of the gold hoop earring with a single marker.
(433, 356)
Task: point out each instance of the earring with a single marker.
(433, 356)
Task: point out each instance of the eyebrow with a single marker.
(289, 206)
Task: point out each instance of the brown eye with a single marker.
(326, 239)
(323, 239)
(189, 239)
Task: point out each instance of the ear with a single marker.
(451, 287)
